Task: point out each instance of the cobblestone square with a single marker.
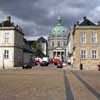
(35, 84)
(49, 84)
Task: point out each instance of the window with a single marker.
(50, 43)
(54, 54)
(94, 37)
(6, 54)
(64, 43)
(83, 54)
(6, 37)
(94, 54)
(58, 54)
(83, 37)
(53, 43)
(58, 43)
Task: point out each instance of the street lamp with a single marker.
(3, 62)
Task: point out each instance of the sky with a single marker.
(37, 17)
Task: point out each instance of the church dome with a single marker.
(58, 30)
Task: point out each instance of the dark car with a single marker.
(27, 66)
(44, 63)
(60, 65)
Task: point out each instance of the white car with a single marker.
(46, 59)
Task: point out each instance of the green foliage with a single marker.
(37, 46)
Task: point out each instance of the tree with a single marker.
(37, 46)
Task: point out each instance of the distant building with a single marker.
(28, 52)
(57, 40)
(42, 41)
(70, 48)
(84, 45)
(44, 45)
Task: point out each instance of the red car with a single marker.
(56, 61)
(37, 61)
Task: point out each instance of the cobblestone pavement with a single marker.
(36, 84)
(91, 81)
(49, 83)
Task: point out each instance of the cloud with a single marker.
(95, 14)
(38, 16)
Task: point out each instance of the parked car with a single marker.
(27, 66)
(37, 61)
(45, 59)
(44, 63)
(56, 61)
(60, 65)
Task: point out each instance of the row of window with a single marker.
(93, 37)
(59, 43)
(93, 54)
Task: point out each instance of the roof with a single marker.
(87, 22)
(41, 39)
(34, 38)
(27, 47)
(7, 22)
(58, 30)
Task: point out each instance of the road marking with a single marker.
(87, 86)
(69, 94)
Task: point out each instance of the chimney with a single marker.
(84, 18)
(77, 22)
(9, 18)
(74, 25)
(98, 22)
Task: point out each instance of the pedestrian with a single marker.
(99, 66)
(81, 66)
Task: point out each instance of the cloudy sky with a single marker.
(38, 16)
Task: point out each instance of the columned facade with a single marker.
(57, 41)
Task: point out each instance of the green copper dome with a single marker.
(58, 30)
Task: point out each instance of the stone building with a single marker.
(44, 45)
(42, 41)
(28, 52)
(69, 51)
(57, 40)
(85, 44)
(12, 45)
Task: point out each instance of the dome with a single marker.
(58, 30)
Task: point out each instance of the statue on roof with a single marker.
(59, 20)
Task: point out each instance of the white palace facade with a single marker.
(11, 45)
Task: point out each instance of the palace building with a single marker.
(57, 40)
(12, 45)
(84, 44)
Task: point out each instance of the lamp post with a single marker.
(3, 62)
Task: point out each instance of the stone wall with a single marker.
(89, 62)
